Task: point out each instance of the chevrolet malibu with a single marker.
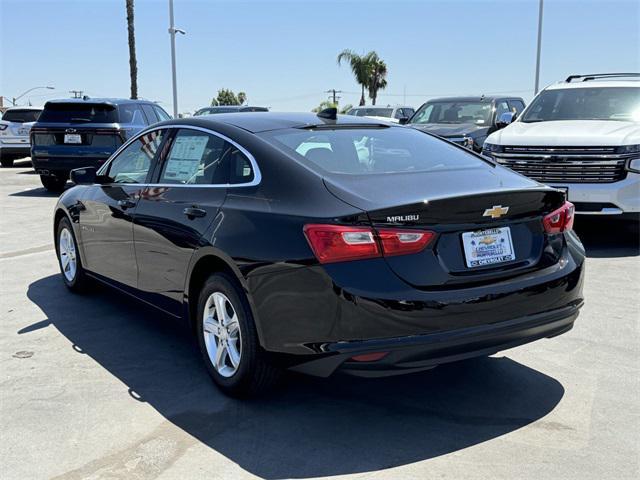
(323, 243)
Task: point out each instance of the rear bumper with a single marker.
(422, 352)
(52, 165)
(15, 148)
(605, 198)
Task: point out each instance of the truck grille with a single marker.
(565, 164)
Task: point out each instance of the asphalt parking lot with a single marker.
(102, 387)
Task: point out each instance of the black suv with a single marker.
(84, 132)
(465, 120)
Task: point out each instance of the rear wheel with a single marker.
(71, 268)
(53, 183)
(228, 339)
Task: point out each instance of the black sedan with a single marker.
(320, 243)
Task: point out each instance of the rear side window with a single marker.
(150, 114)
(21, 116)
(131, 113)
(133, 163)
(241, 168)
(197, 158)
(361, 151)
(76, 112)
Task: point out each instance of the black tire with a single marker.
(53, 183)
(254, 373)
(79, 282)
(6, 161)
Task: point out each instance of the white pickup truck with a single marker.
(583, 136)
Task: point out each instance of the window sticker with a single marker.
(186, 156)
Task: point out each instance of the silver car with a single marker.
(14, 133)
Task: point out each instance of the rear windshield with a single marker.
(359, 151)
(21, 116)
(79, 113)
(595, 103)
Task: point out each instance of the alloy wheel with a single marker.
(67, 249)
(222, 336)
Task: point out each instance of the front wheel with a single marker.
(228, 339)
(69, 259)
(53, 183)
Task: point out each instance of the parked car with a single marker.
(229, 109)
(319, 258)
(14, 133)
(582, 136)
(74, 133)
(465, 120)
(390, 114)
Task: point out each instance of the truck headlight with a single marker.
(489, 148)
(629, 149)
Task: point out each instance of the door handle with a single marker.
(124, 204)
(193, 212)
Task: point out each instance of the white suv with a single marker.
(14, 133)
(583, 136)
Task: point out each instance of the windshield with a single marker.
(21, 116)
(596, 103)
(478, 113)
(79, 113)
(359, 151)
(373, 112)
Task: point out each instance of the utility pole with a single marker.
(539, 47)
(333, 93)
(76, 93)
(172, 33)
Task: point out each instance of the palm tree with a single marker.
(133, 65)
(377, 75)
(359, 67)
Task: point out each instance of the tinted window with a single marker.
(77, 112)
(197, 158)
(150, 113)
(162, 115)
(399, 114)
(517, 106)
(131, 113)
(133, 163)
(21, 116)
(454, 112)
(501, 107)
(372, 150)
(594, 103)
(408, 112)
(241, 168)
(374, 112)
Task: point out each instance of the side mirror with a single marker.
(85, 175)
(403, 120)
(505, 119)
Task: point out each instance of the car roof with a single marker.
(264, 121)
(595, 84)
(88, 100)
(479, 98)
(30, 107)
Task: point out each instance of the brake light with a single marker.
(340, 243)
(560, 220)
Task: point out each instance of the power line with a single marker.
(333, 91)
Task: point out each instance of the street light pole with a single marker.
(172, 32)
(539, 47)
(15, 99)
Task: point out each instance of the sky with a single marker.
(283, 53)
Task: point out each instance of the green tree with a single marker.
(359, 67)
(377, 75)
(133, 63)
(346, 108)
(242, 97)
(323, 105)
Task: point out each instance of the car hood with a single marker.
(448, 130)
(568, 133)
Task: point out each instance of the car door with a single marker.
(176, 210)
(106, 221)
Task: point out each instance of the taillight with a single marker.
(340, 243)
(560, 220)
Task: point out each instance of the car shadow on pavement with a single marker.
(307, 427)
(608, 238)
(35, 192)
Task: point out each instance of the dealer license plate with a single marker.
(72, 138)
(486, 247)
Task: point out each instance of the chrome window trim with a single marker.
(257, 175)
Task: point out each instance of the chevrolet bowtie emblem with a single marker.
(496, 211)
